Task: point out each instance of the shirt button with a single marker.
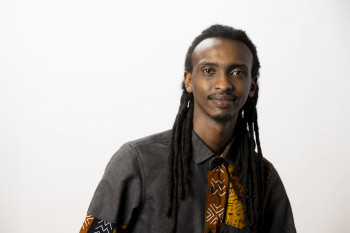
(212, 190)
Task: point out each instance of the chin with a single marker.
(222, 118)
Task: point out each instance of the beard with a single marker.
(222, 118)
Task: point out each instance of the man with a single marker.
(207, 174)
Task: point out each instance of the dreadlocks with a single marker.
(251, 162)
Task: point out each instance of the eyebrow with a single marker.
(238, 66)
(205, 63)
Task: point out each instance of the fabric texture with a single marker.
(133, 191)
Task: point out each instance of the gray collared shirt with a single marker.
(133, 190)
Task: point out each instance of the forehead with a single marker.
(222, 51)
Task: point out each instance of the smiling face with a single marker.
(221, 79)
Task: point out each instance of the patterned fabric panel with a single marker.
(95, 225)
(87, 223)
(234, 211)
(216, 198)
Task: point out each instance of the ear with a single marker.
(188, 81)
(253, 86)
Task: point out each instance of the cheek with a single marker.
(242, 88)
(243, 91)
(200, 88)
(243, 100)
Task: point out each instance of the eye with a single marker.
(237, 73)
(209, 71)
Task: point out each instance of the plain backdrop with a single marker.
(80, 78)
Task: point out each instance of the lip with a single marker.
(222, 103)
(223, 97)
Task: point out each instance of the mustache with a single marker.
(223, 96)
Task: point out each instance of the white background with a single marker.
(79, 78)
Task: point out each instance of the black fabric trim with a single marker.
(101, 226)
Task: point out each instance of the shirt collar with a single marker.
(231, 153)
(200, 151)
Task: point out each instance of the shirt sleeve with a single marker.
(119, 193)
(93, 225)
(278, 216)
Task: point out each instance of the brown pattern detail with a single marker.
(87, 223)
(216, 198)
(268, 175)
(120, 229)
(234, 212)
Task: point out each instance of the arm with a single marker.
(278, 216)
(119, 193)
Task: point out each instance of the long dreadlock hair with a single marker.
(251, 162)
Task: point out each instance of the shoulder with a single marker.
(272, 178)
(267, 164)
(278, 216)
(151, 145)
(134, 155)
(270, 171)
(159, 139)
(130, 153)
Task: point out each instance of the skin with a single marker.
(221, 70)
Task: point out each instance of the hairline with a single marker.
(225, 38)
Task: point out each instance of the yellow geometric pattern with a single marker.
(234, 209)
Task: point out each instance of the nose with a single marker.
(222, 82)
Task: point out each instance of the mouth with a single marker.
(222, 100)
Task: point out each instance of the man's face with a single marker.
(221, 78)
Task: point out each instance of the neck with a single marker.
(216, 135)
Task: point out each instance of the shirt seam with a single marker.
(142, 174)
